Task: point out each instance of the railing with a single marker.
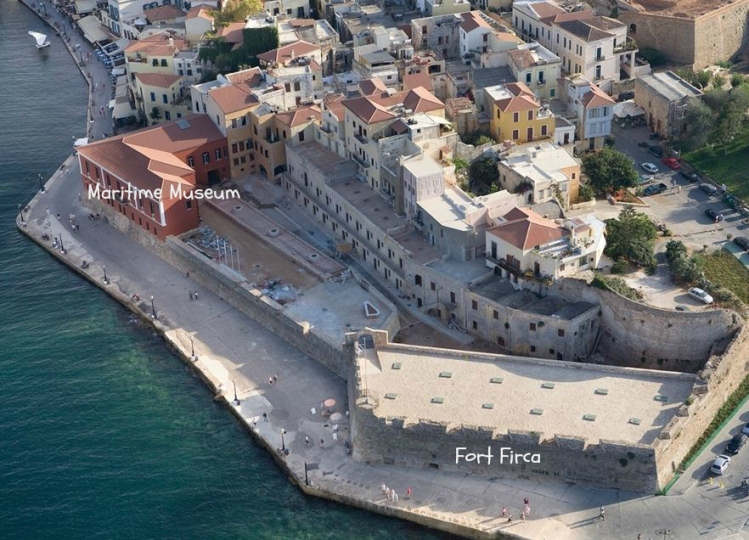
(361, 138)
(360, 161)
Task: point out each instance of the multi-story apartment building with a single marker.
(517, 115)
(440, 34)
(152, 65)
(537, 67)
(590, 45)
(591, 108)
(541, 172)
(523, 242)
(187, 154)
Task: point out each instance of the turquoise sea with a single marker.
(103, 432)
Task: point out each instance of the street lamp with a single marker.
(192, 349)
(41, 183)
(283, 443)
(62, 248)
(106, 279)
(153, 309)
(236, 399)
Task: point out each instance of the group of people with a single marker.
(391, 495)
(524, 514)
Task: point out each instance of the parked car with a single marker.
(655, 189)
(681, 308)
(690, 177)
(699, 294)
(644, 179)
(709, 188)
(656, 150)
(720, 464)
(742, 242)
(643, 144)
(745, 429)
(649, 167)
(736, 443)
(672, 163)
(714, 215)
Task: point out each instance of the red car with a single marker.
(672, 163)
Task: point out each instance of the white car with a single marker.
(699, 294)
(649, 167)
(720, 464)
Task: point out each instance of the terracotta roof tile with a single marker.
(420, 100)
(156, 45)
(596, 97)
(525, 229)
(473, 20)
(163, 13)
(334, 103)
(414, 80)
(162, 80)
(232, 98)
(372, 86)
(584, 30)
(199, 11)
(283, 54)
(300, 115)
(233, 33)
(367, 110)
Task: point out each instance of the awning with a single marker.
(83, 7)
(122, 109)
(627, 108)
(92, 29)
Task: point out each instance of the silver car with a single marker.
(699, 294)
(720, 464)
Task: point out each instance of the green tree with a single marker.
(225, 59)
(703, 78)
(483, 176)
(585, 193)
(674, 249)
(698, 124)
(731, 118)
(631, 237)
(609, 170)
(737, 79)
(236, 11)
(654, 57)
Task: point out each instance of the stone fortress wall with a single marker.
(637, 335)
(700, 39)
(426, 444)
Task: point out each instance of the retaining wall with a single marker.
(637, 335)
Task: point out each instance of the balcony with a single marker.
(361, 138)
(361, 162)
(628, 45)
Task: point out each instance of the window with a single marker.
(515, 134)
(495, 314)
(452, 297)
(475, 325)
(190, 161)
(233, 148)
(560, 332)
(153, 96)
(206, 158)
(417, 280)
(515, 117)
(474, 305)
(530, 115)
(532, 326)
(165, 98)
(432, 285)
(163, 62)
(530, 134)
(301, 136)
(543, 132)
(500, 340)
(528, 77)
(218, 153)
(167, 115)
(234, 123)
(188, 204)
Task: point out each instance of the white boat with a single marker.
(41, 39)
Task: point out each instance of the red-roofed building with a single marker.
(593, 110)
(168, 162)
(286, 54)
(523, 242)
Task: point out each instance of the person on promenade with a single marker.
(504, 511)
(602, 513)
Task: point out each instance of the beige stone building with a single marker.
(664, 97)
(694, 32)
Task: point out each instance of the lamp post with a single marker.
(62, 248)
(20, 213)
(283, 443)
(236, 399)
(153, 309)
(106, 279)
(41, 183)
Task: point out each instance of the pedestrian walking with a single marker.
(275, 378)
(409, 492)
(265, 417)
(395, 496)
(306, 440)
(322, 443)
(602, 513)
(504, 511)
(190, 295)
(196, 295)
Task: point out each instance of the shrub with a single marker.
(585, 193)
(619, 267)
